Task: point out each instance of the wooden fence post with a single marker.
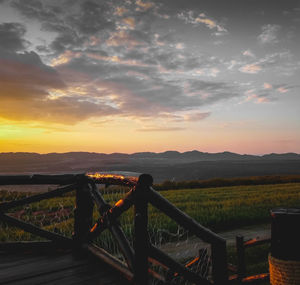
(241, 264)
(141, 241)
(219, 263)
(83, 214)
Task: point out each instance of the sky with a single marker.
(136, 75)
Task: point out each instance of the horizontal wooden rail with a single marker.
(36, 230)
(63, 179)
(257, 241)
(38, 179)
(36, 198)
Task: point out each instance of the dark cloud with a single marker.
(93, 17)
(209, 92)
(74, 21)
(26, 71)
(30, 90)
(11, 35)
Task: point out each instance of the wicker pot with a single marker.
(284, 272)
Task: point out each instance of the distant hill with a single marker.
(172, 165)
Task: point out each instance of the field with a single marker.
(220, 208)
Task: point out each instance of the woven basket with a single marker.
(284, 272)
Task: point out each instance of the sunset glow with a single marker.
(131, 76)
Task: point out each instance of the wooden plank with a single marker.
(89, 273)
(35, 198)
(9, 261)
(38, 266)
(28, 246)
(64, 269)
(36, 230)
(76, 274)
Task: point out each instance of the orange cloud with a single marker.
(122, 38)
(120, 11)
(267, 86)
(250, 68)
(282, 90)
(144, 5)
(129, 22)
(64, 58)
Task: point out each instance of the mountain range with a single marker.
(169, 165)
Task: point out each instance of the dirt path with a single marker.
(190, 247)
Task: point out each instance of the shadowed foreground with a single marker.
(55, 268)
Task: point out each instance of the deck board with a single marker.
(55, 268)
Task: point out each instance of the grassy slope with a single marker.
(217, 208)
(230, 207)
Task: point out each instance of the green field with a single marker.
(220, 208)
(225, 208)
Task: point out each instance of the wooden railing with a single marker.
(241, 270)
(137, 258)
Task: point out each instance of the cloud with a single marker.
(106, 60)
(144, 6)
(251, 68)
(267, 86)
(282, 89)
(282, 62)
(189, 18)
(196, 117)
(259, 96)
(73, 22)
(26, 71)
(248, 53)
(130, 22)
(268, 92)
(269, 34)
(27, 88)
(124, 38)
(209, 92)
(120, 11)
(160, 129)
(11, 35)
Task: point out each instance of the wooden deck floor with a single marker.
(55, 268)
